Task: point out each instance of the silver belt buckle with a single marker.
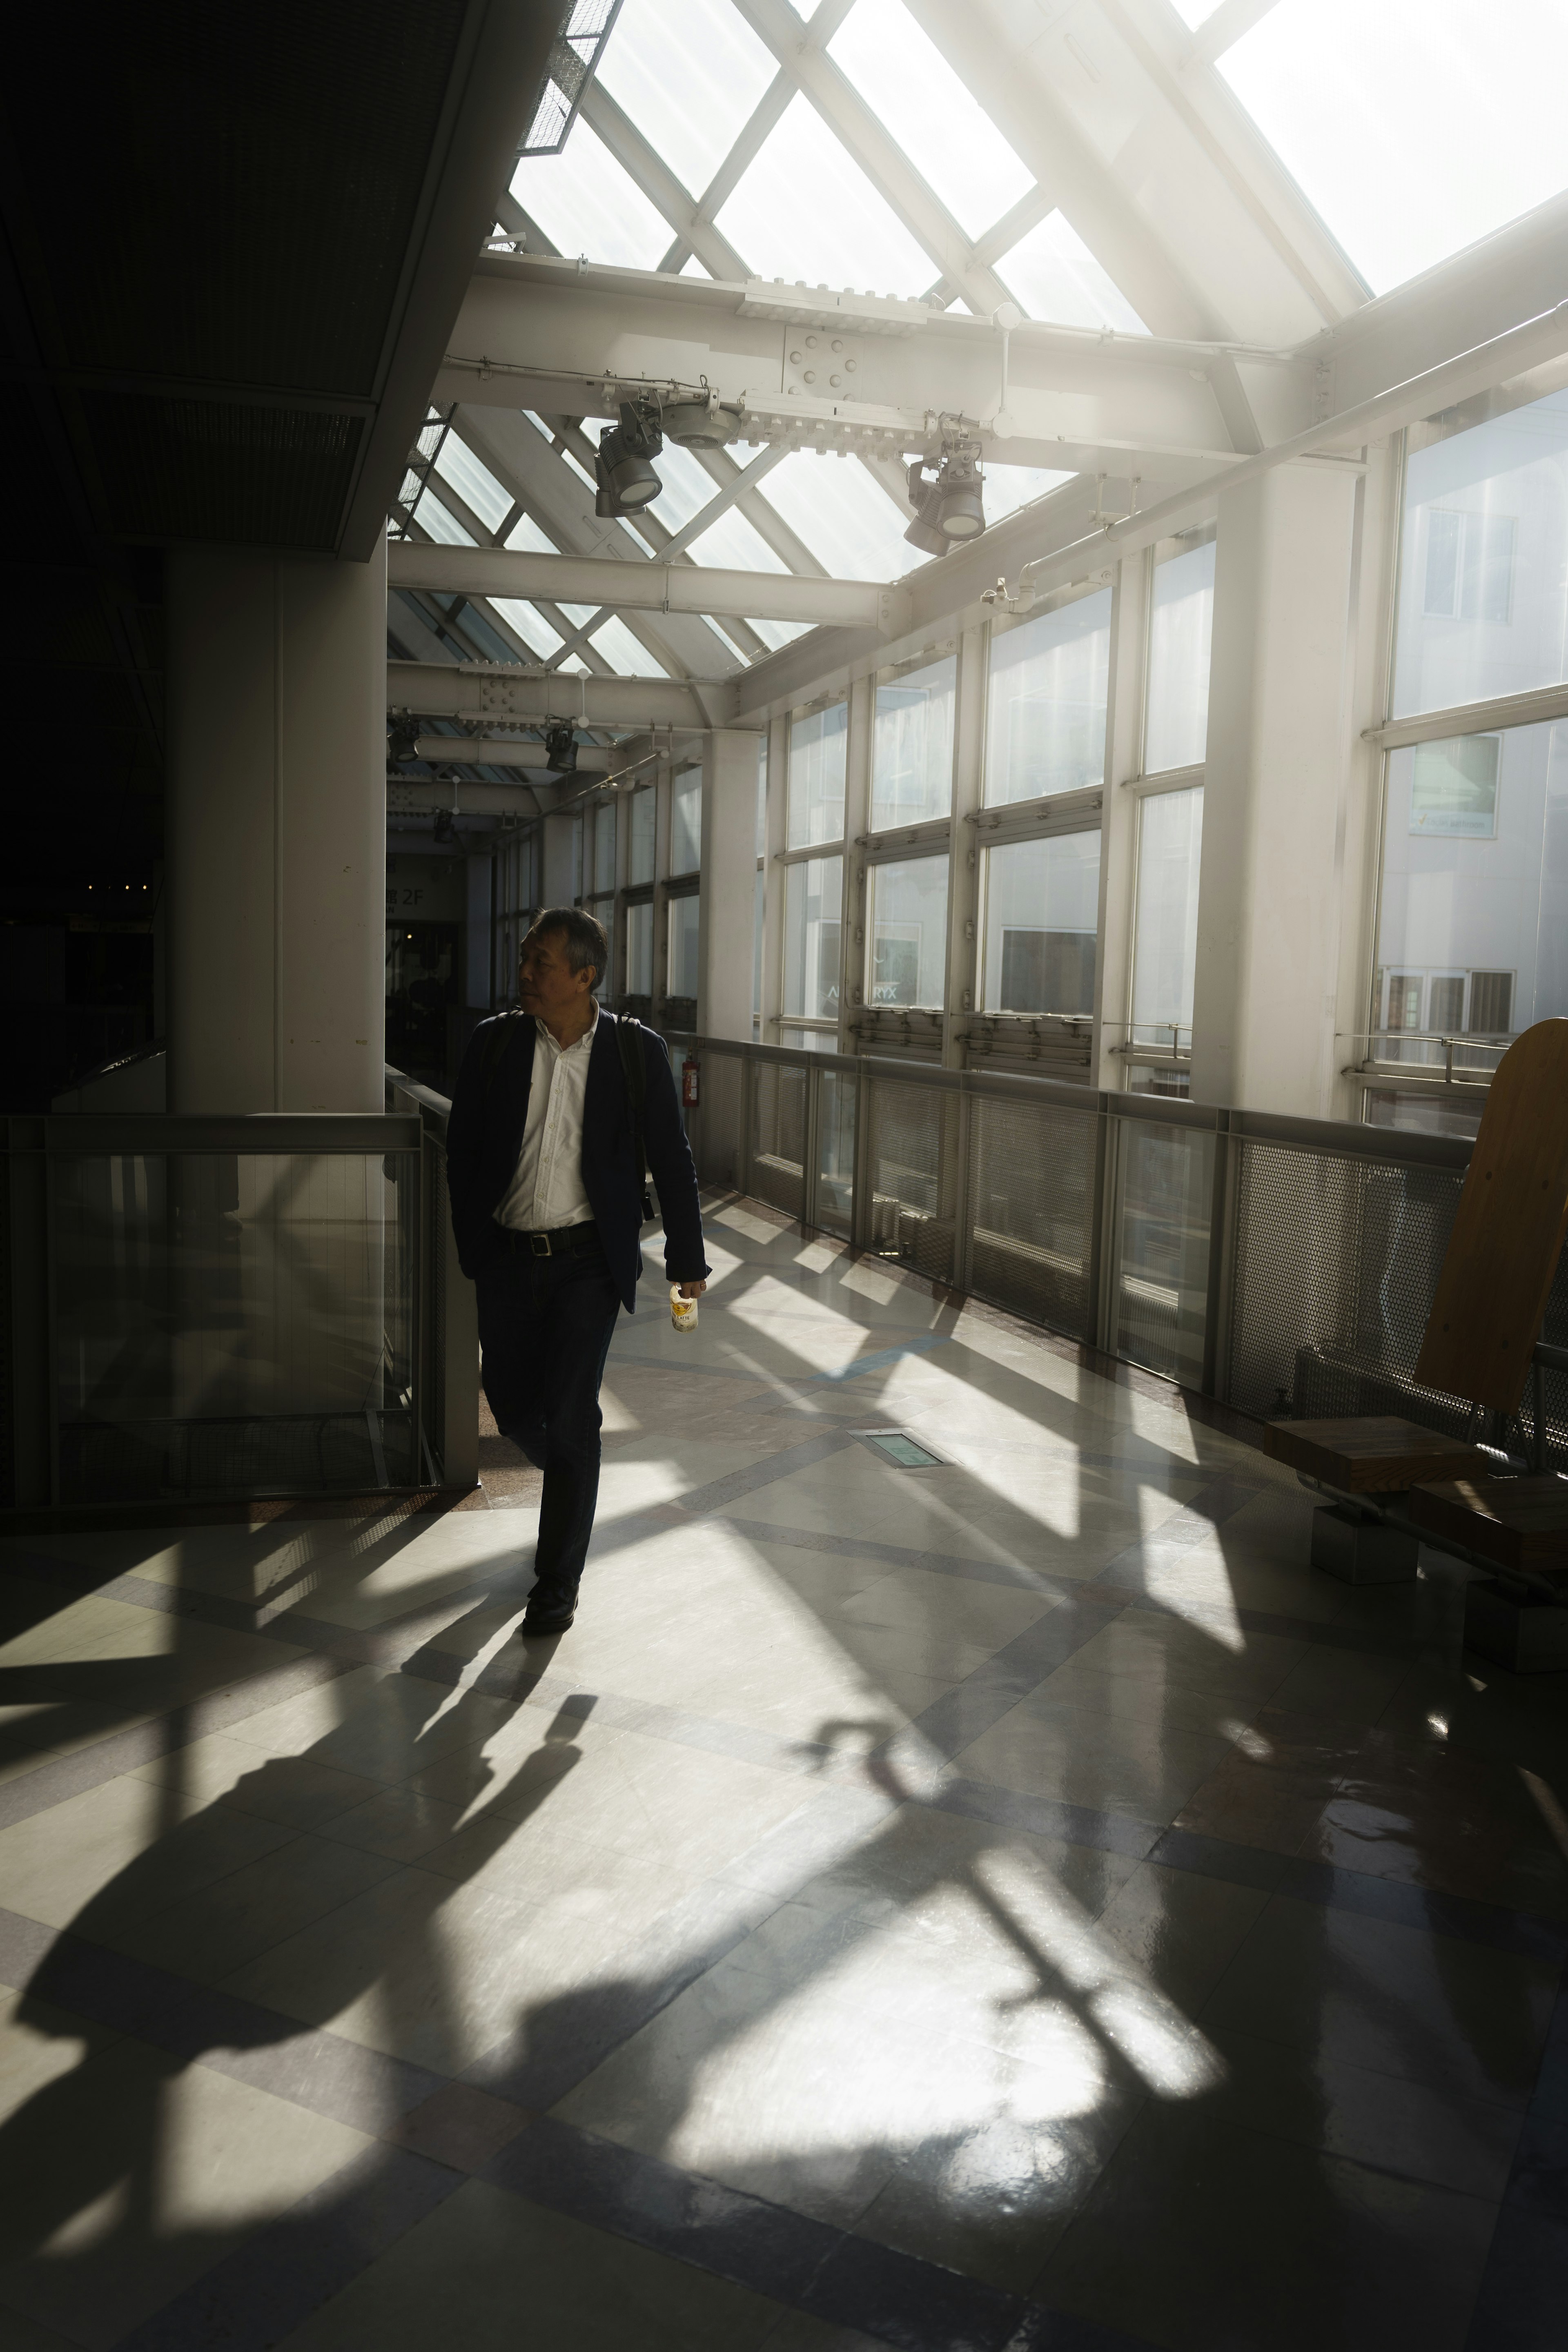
(540, 1245)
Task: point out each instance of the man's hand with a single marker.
(692, 1289)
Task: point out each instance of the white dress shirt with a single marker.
(546, 1188)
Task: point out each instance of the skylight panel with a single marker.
(529, 623)
(1416, 127)
(432, 517)
(526, 535)
(626, 653)
(1193, 13)
(916, 96)
(688, 487)
(587, 202)
(689, 74)
(1008, 487)
(736, 545)
(475, 484)
(847, 520)
(1054, 277)
(805, 210)
(774, 633)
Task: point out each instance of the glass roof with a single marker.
(915, 94)
(587, 201)
(845, 519)
(1414, 126)
(806, 210)
(689, 73)
(1054, 277)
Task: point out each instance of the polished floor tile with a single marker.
(892, 1895)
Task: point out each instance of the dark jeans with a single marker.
(545, 1331)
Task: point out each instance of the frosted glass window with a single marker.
(1473, 925)
(686, 822)
(1166, 940)
(1483, 562)
(917, 99)
(525, 533)
(816, 747)
(587, 202)
(605, 847)
(1053, 276)
(908, 932)
(1180, 623)
(474, 483)
(803, 209)
(1414, 127)
(684, 918)
(689, 73)
(1042, 919)
(813, 894)
(1049, 682)
(640, 866)
(911, 746)
(762, 796)
(640, 950)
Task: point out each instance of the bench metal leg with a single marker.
(1526, 1634)
(1360, 1550)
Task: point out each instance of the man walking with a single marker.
(553, 1107)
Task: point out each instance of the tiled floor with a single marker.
(1010, 1904)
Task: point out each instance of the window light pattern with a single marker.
(689, 73)
(917, 97)
(1414, 126)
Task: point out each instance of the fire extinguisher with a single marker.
(688, 1082)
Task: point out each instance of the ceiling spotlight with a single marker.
(948, 505)
(701, 423)
(403, 737)
(560, 747)
(627, 480)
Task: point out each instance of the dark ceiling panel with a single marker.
(242, 186)
(202, 470)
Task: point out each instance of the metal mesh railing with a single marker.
(1032, 1205)
(1284, 1265)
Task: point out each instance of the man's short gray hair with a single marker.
(586, 941)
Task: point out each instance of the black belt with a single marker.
(559, 1240)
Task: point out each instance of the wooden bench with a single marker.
(1497, 1274)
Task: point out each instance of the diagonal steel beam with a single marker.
(652, 175)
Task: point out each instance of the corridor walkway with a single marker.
(1008, 1903)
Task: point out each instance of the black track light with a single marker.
(949, 506)
(445, 831)
(627, 480)
(403, 737)
(560, 747)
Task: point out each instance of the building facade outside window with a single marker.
(686, 822)
(908, 930)
(1042, 924)
(1181, 626)
(817, 743)
(1046, 720)
(1472, 922)
(911, 742)
(643, 818)
(814, 898)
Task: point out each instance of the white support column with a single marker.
(1270, 908)
(854, 954)
(729, 883)
(774, 879)
(1119, 829)
(278, 823)
(964, 864)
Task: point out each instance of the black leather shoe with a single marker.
(549, 1617)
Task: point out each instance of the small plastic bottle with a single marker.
(682, 1311)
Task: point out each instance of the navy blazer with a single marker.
(484, 1136)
